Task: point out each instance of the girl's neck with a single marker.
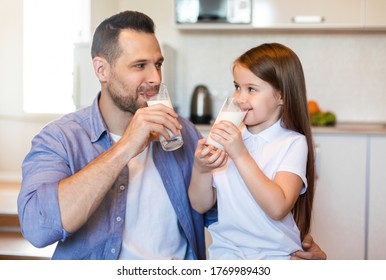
(257, 128)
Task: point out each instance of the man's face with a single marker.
(136, 69)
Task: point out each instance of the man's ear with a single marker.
(101, 68)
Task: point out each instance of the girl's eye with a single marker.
(252, 90)
(237, 87)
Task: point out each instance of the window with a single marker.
(50, 30)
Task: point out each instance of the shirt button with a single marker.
(113, 250)
(119, 219)
(122, 187)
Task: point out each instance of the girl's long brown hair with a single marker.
(281, 68)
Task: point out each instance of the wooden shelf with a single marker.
(14, 246)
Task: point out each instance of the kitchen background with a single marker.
(344, 69)
(345, 72)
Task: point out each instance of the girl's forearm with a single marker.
(201, 193)
(267, 193)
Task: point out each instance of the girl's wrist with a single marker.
(200, 170)
(241, 157)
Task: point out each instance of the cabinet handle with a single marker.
(308, 19)
(317, 161)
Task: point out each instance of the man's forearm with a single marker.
(80, 194)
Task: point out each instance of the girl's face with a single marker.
(259, 98)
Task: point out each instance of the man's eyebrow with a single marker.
(144, 60)
(140, 60)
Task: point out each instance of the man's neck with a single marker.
(116, 120)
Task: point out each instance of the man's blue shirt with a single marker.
(67, 145)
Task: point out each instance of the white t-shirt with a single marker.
(243, 230)
(151, 228)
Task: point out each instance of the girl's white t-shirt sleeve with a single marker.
(295, 160)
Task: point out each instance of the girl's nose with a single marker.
(240, 97)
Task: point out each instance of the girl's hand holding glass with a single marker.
(229, 136)
(208, 158)
(231, 112)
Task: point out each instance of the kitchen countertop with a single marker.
(352, 128)
(339, 128)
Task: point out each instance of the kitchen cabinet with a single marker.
(377, 199)
(339, 211)
(307, 13)
(375, 13)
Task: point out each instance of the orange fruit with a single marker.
(313, 107)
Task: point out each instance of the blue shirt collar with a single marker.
(98, 125)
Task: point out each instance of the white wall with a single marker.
(344, 70)
(10, 56)
(12, 139)
(16, 127)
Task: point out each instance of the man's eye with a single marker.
(142, 65)
(158, 65)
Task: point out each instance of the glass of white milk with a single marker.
(230, 111)
(163, 97)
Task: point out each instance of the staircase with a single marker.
(13, 246)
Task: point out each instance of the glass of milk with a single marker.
(163, 97)
(230, 111)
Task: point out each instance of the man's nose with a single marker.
(154, 75)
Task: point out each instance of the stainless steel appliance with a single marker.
(213, 11)
(201, 106)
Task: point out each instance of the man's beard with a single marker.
(125, 103)
(123, 97)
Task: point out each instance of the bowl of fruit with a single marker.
(319, 117)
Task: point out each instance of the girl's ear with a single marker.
(101, 68)
(280, 100)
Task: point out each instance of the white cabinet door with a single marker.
(307, 13)
(339, 206)
(377, 200)
(375, 13)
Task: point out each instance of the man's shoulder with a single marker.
(78, 116)
(79, 119)
(189, 127)
(186, 122)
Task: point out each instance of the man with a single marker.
(98, 182)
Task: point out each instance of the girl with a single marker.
(264, 180)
